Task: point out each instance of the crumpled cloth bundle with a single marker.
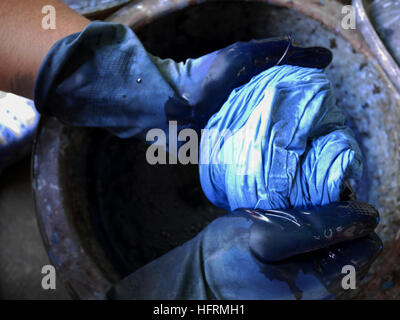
(279, 141)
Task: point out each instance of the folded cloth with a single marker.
(279, 141)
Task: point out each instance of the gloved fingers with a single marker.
(313, 275)
(276, 235)
(235, 65)
(311, 57)
(272, 51)
(233, 271)
(206, 82)
(321, 274)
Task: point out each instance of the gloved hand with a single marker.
(103, 77)
(255, 254)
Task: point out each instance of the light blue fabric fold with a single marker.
(279, 141)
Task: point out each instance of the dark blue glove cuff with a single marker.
(103, 77)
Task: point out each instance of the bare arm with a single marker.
(24, 43)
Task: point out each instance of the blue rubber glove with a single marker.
(103, 77)
(287, 144)
(244, 255)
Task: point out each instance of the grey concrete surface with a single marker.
(22, 254)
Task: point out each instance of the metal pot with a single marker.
(104, 212)
(95, 9)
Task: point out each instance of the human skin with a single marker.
(24, 42)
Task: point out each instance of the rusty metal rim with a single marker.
(99, 9)
(376, 45)
(75, 268)
(135, 14)
(140, 12)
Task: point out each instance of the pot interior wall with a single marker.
(140, 211)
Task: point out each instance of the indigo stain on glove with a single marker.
(279, 141)
(103, 77)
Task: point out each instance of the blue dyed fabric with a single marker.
(18, 122)
(279, 141)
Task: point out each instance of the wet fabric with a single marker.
(287, 144)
